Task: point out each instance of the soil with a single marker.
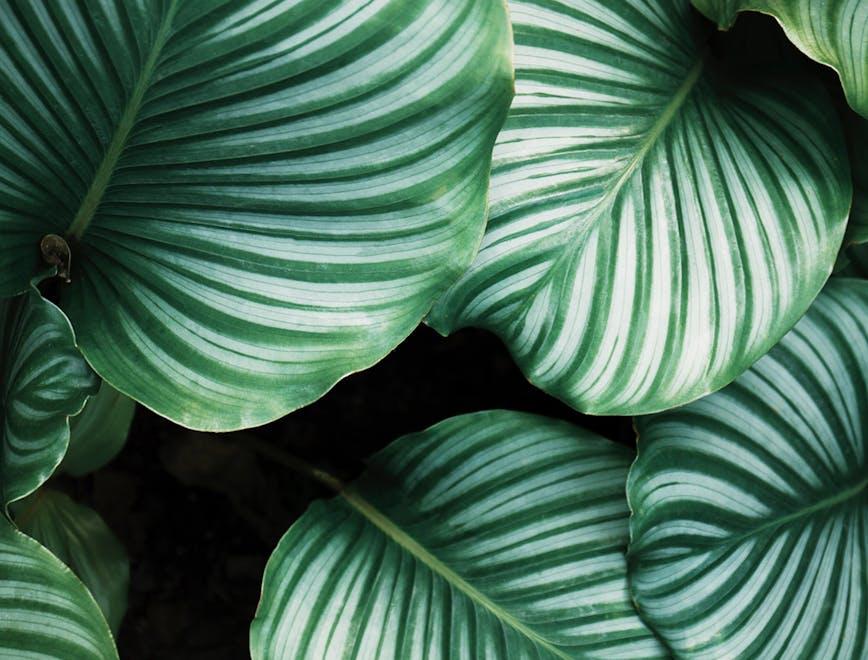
(200, 513)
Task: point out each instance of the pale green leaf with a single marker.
(659, 218)
(834, 32)
(259, 197)
(491, 535)
(43, 380)
(45, 611)
(77, 536)
(749, 535)
(99, 432)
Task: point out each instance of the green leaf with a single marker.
(750, 507)
(659, 218)
(857, 142)
(77, 536)
(44, 380)
(496, 534)
(99, 432)
(854, 261)
(45, 611)
(259, 198)
(833, 32)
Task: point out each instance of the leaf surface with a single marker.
(834, 32)
(99, 432)
(259, 198)
(45, 611)
(44, 380)
(749, 535)
(659, 217)
(496, 534)
(78, 537)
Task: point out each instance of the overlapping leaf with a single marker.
(78, 537)
(495, 534)
(749, 536)
(45, 611)
(834, 32)
(659, 218)
(99, 432)
(44, 380)
(259, 198)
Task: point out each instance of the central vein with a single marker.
(409, 544)
(116, 147)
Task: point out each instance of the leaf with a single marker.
(857, 141)
(833, 32)
(45, 611)
(78, 537)
(659, 218)
(854, 261)
(99, 432)
(44, 380)
(496, 534)
(750, 507)
(259, 198)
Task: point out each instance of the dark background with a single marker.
(200, 513)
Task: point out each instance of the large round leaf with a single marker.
(44, 380)
(659, 217)
(834, 32)
(490, 535)
(99, 432)
(78, 537)
(750, 507)
(45, 611)
(259, 198)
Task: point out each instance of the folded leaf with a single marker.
(834, 32)
(99, 432)
(258, 198)
(495, 535)
(77, 536)
(44, 380)
(750, 507)
(45, 611)
(659, 217)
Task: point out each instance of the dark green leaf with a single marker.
(45, 611)
(99, 432)
(78, 537)
(44, 380)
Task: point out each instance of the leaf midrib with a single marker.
(567, 238)
(824, 504)
(420, 553)
(106, 168)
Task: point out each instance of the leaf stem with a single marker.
(296, 464)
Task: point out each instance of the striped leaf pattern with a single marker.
(259, 197)
(77, 536)
(44, 380)
(749, 535)
(659, 218)
(99, 432)
(490, 535)
(834, 32)
(46, 610)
